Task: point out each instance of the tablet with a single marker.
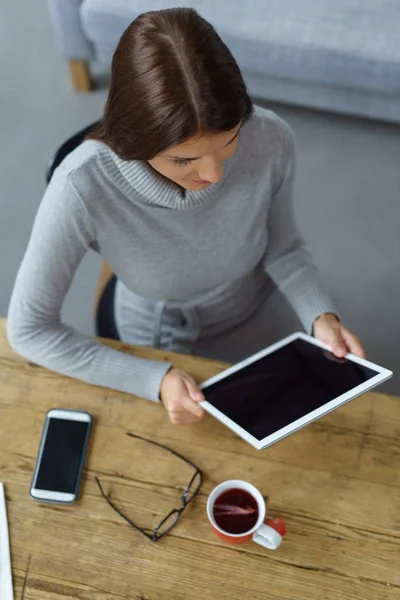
(286, 386)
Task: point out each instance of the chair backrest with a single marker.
(67, 147)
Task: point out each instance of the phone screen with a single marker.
(62, 455)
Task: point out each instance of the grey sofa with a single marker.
(338, 55)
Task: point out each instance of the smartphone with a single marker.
(61, 456)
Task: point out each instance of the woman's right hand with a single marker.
(180, 395)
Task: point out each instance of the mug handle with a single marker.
(267, 537)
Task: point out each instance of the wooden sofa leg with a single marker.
(80, 75)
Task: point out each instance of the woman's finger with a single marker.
(183, 418)
(194, 392)
(190, 405)
(185, 412)
(334, 339)
(353, 343)
(187, 403)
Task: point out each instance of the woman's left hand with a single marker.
(328, 329)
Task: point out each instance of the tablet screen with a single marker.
(283, 386)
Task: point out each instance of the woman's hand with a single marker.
(180, 395)
(328, 329)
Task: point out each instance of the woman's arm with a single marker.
(61, 236)
(287, 260)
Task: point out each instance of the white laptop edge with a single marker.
(6, 584)
(382, 375)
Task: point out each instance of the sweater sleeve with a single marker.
(287, 260)
(61, 236)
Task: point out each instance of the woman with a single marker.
(186, 192)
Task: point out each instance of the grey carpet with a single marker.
(347, 193)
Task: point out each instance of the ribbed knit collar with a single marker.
(139, 181)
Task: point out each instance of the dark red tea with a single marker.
(235, 511)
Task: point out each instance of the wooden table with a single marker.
(336, 483)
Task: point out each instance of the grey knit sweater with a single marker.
(163, 244)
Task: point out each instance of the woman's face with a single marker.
(197, 162)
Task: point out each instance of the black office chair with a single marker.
(104, 318)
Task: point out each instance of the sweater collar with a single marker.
(138, 180)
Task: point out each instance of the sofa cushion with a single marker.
(348, 43)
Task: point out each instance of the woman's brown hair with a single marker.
(172, 76)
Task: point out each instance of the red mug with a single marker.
(261, 533)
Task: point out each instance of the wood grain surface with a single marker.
(336, 483)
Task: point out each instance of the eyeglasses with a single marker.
(172, 518)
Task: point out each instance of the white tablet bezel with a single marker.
(382, 375)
